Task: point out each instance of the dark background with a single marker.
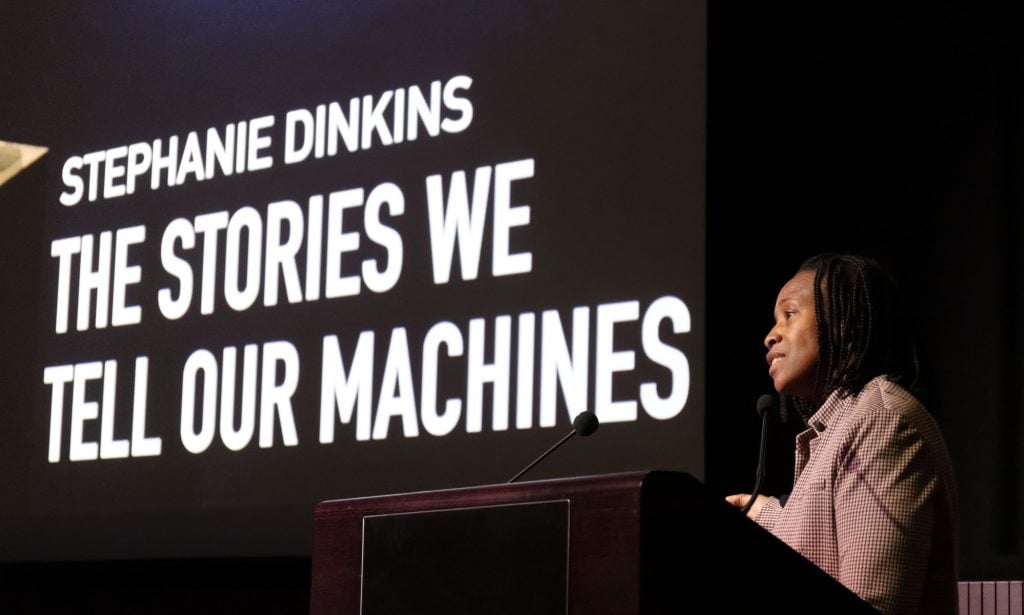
(889, 132)
(895, 133)
(610, 104)
(616, 214)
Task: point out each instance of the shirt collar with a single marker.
(826, 414)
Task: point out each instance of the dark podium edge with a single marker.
(640, 542)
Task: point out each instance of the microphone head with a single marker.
(585, 423)
(765, 403)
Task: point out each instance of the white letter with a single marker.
(208, 225)
(72, 181)
(220, 151)
(338, 243)
(93, 160)
(338, 124)
(346, 389)
(293, 119)
(455, 103)
(124, 276)
(278, 396)
(420, 110)
(241, 299)
(171, 308)
(112, 171)
(314, 240)
(237, 439)
(570, 369)
(321, 126)
(64, 249)
(439, 424)
(397, 397)
(608, 362)
(140, 156)
(376, 280)
(169, 162)
(676, 311)
(457, 223)
(505, 217)
(141, 445)
(94, 280)
(82, 411)
(259, 142)
(373, 119)
(200, 361)
(57, 376)
(524, 372)
(240, 137)
(479, 372)
(398, 123)
(191, 160)
(281, 254)
(109, 447)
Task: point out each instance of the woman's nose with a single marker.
(772, 338)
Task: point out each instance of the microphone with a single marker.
(764, 404)
(584, 424)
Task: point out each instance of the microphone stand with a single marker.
(584, 424)
(761, 464)
(545, 454)
(762, 408)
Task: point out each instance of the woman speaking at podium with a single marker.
(874, 502)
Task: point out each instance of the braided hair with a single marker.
(863, 331)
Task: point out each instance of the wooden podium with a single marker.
(622, 544)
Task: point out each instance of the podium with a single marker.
(622, 544)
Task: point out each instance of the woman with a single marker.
(874, 501)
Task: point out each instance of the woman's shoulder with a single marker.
(887, 397)
(884, 402)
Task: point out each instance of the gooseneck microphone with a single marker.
(584, 424)
(764, 404)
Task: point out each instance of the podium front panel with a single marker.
(467, 561)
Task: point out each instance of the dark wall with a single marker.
(894, 134)
(241, 585)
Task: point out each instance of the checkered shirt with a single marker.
(874, 501)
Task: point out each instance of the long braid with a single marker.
(805, 407)
(862, 333)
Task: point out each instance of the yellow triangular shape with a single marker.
(14, 157)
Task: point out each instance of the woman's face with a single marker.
(793, 341)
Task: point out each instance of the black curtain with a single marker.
(895, 134)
